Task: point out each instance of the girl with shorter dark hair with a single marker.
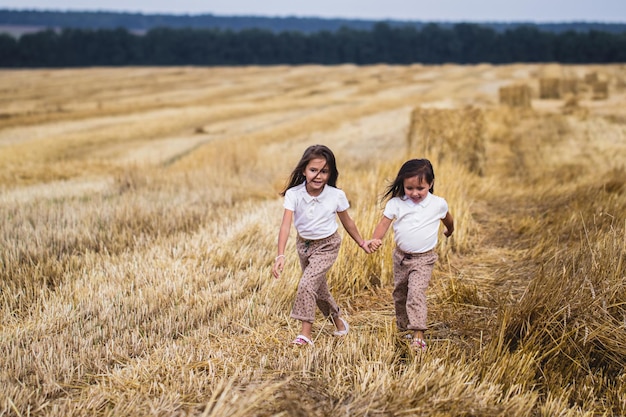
(416, 214)
(313, 202)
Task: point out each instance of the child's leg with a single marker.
(400, 289)
(421, 270)
(307, 329)
(327, 305)
(322, 259)
(317, 258)
(339, 324)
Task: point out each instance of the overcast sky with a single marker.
(424, 10)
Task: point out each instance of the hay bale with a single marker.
(591, 78)
(550, 88)
(600, 90)
(515, 96)
(455, 135)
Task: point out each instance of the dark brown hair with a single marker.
(421, 168)
(313, 152)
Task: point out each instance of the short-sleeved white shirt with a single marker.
(416, 226)
(315, 217)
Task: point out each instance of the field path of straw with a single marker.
(140, 212)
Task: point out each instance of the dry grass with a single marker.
(139, 213)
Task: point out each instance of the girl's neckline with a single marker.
(314, 195)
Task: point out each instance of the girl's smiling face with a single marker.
(316, 173)
(416, 188)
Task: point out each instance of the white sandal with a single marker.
(302, 340)
(418, 344)
(343, 332)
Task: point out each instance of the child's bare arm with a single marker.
(379, 233)
(283, 235)
(381, 228)
(448, 221)
(352, 230)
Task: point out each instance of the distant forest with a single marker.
(138, 22)
(65, 45)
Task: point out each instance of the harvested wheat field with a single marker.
(139, 214)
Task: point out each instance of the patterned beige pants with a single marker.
(316, 258)
(411, 275)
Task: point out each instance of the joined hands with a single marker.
(369, 246)
(372, 245)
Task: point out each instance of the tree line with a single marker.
(462, 43)
(142, 22)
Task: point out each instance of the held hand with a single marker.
(366, 246)
(375, 244)
(279, 265)
(370, 246)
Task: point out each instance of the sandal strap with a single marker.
(417, 342)
(302, 340)
(344, 331)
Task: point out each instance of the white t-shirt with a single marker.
(315, 217)
(416, 225)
